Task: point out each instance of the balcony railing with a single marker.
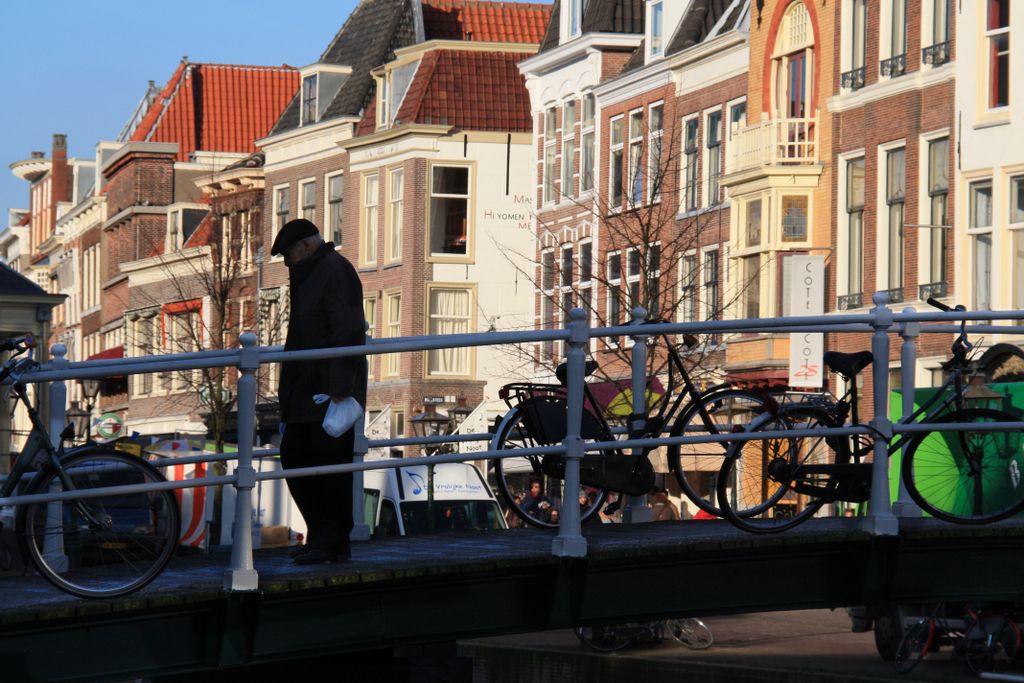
(894, 66)
(853, 79)
(775, 142)
(937, 54)
(895, 295)
(934, 289)
(848, 302)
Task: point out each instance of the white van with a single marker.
(397, 500)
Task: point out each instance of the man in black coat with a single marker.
(326, 311)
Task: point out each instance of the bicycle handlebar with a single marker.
(18, 343)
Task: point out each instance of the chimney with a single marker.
(38, 155)
(59, 168)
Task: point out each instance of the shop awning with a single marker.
(109, 354)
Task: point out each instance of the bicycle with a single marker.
(973, 477)
(987, 639)
(537, 417)
(94, 547)
(691, 632)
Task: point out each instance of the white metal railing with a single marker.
(880, 321)
(775, 142)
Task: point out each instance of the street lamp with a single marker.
(979, 395)
(430, 423)
(458, 414)
(80, 418)
(90, 389)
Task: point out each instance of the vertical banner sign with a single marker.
(806, 297)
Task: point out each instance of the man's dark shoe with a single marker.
(298, 551)
(318, 556)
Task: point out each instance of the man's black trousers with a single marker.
(324, 501)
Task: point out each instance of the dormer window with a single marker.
(182, 221)
(383, 102)
(320, 83)
(309, 92)
(657, 24)
(575, 17)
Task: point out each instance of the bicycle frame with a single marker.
(668, 406)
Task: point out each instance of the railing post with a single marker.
(637, 420)
(909, 332)
(360, 529)
(53, 544)
(242, 575)
(880, 520)
(570, 541)
(58, 395)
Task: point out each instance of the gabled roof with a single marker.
(600, 16)
(701, 17)
(480, 20)
(469, 90)
(367, 39)
(217, 107)
(13, 282)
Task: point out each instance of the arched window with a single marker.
(793, 65)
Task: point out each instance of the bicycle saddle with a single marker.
(562, 371)
(847, 364)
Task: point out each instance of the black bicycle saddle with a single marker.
(847, 364)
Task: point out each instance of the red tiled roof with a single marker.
(469, 90)
(479, 20)
(218, 107)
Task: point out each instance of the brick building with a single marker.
(893, 147)
(403, 145)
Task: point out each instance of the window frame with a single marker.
(470, 322)
(568, 160)
(587, 142)
(369, 219)
(616, 150)
(280, 217)
(635, 158)
(307, 192)
(991, 38)
(309, 103)
(394, 219)
(391, 328)
(470, 199)
(334, 208)
(655, 151)
(371, 330)
(690, 182)
(712, 157)
(549, 153)
(656, 42)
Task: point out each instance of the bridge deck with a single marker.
(429, 588)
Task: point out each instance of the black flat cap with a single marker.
(292, 232)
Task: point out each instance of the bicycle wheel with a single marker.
(516, 475)
(105, 546)
(696, 464)
(603, 638)
(693, 633)
(773, 484)
(970, 477)
(992, 644)
(914, 645)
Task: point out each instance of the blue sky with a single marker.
(80, 67)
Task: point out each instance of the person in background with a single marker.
(662, 509)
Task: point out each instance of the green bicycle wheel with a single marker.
(969, 477)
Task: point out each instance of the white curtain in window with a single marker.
(449, 314)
